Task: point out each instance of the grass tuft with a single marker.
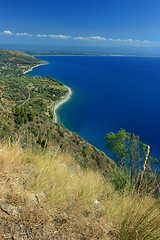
(72, 193)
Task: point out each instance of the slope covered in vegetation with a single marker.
(17, 89)
(53, 183)
(25, 99)
(46, 196)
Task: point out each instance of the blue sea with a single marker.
(109, 93)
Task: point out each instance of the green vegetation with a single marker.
(135, 166)
(26, 103)
(21, 116)
(17, 89)
(54, 182)
(61, 133)
(14, 63)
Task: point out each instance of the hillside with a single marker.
(49, 196)
(35, 93)
(53, 183)
(16, 62)
(17, 89)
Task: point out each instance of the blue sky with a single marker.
(84, 22)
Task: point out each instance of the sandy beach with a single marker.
(34, 67)
(58, 103)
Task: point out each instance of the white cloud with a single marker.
(90, 38)
(114, 40)
(41, 35)
(127, 40)
(53, 36)
(98, 38)
(130, 40)
(7, 32)
(24, 34)
(81, 38)
(59, 36)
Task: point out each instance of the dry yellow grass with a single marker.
(10, 157)
(79, 194)
(64, 181)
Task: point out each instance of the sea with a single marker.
(109, 93)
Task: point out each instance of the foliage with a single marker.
(22, 116)
(83, 153)
(60, 131)
(130, 153)
(120, 179)
(17, 88)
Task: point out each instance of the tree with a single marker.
(51, 114)
(44, 144)
(31, 115)
(21, 109)
(22, 116)
(129, 152)
(17, 111)
(25, 117)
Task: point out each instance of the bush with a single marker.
(83, 153)
(98, 161)
(120, 178)
(44, 144)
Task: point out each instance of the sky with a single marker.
(81, 22)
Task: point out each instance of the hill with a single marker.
(17, 89)
(26, 95)
(54, 184)
(49, 196)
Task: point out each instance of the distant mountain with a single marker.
(83, 50)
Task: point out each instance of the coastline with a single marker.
(58, 103)
(34, 67)
(97, 55)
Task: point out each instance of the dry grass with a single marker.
(10, 158)
(78, 204)
(64, 181)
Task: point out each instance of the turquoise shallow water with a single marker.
(109, 93)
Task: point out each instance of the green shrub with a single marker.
(83, 153)
(61, 134)
(120, 178)
(39, 141)
(98, 161)
(44, 144)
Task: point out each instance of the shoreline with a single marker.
(98, 55)
(34, 67)
(60, 102)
